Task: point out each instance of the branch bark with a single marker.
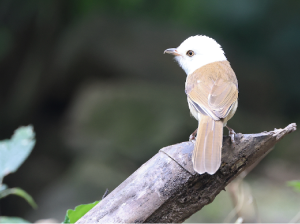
(167, 189)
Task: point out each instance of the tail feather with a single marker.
(207, 151)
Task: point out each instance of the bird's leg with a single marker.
(231, 134)
(193, 135)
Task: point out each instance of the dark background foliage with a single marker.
(91, 77)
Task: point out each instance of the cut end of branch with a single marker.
(280, 133)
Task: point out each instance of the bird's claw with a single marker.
(232, 137)
(231, 134)
(193, 135)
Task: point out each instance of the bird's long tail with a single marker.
(207, 150)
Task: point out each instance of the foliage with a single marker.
(19, 192)
(5, 219)
(13, 153)
(73, 215)
(295, 184)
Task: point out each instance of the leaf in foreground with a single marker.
(19, 192)
(73, 215)
(14, 151)
(295, 184)
(6, 219)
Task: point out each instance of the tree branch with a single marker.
(167, 189)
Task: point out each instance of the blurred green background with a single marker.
(91, 77)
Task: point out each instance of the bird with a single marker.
(212, 93)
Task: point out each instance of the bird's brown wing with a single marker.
(213, 89)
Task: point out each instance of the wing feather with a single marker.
(213, 90)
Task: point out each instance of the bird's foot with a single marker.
(231, 134)
(193, 135)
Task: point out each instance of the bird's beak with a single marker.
(172, 51)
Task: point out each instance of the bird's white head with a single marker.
(197, 51)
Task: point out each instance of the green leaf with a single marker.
(6, 219)
(73, 215)
(19, 192)
(294, 184)
(67, 220)
(14, 151)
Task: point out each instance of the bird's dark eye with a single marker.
(190, 53)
